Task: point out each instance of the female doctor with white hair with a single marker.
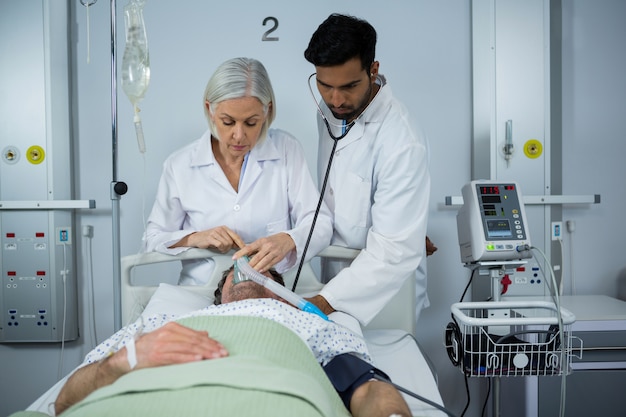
(240, 186)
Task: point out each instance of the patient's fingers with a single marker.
(174, 343)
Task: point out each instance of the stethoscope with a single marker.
(346, 129)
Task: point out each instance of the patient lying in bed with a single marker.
(245, 356)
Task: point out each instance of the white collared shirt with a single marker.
(277, 194)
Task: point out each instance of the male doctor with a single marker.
(379, 185)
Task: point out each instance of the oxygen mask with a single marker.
(239, 276)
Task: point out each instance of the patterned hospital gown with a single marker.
(325, 338)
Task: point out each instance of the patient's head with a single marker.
(226, 292)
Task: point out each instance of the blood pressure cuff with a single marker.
(348, 372)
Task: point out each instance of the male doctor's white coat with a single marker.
(378, 191)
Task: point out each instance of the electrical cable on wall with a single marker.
(562, 283)
(571, 227)
(63, 274)
(88, 267)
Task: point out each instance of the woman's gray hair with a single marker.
(238, 78)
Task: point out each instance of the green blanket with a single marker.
(269, 372)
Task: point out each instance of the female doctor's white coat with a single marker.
(378, 192)
(276, 194)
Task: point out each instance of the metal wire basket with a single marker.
(511, 338)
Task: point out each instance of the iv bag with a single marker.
(136, 60)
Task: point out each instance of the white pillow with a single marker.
(173, 299)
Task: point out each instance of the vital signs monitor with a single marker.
(491, 224)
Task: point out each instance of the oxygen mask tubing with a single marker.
(244, 272)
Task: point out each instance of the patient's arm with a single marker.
(170, 344)
(378, 399)
(88, 379)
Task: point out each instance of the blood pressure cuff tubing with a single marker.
(348, 372)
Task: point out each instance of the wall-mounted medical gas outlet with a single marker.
(35, 154)
(11, 155)
(533, 149)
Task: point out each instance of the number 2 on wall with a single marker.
(266, 36)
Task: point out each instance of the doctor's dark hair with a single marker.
(238, 78)
(340, 38)
(220, 285)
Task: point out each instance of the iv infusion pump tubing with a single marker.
(491, 224)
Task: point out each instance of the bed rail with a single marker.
(398, 314)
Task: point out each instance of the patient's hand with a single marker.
(174, 343)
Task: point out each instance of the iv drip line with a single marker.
(88, 36)
(87, 5)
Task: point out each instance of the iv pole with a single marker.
(118, 188)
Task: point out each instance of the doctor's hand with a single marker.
(266, 252)
(430, 247)
(321, 303)
(220, 238)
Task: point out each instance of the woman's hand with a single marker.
(266, 252)
(220, 238)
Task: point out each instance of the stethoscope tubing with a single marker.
(336, 140)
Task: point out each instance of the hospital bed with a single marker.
(389, 337)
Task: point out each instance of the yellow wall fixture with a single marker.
(533, 148)
(35, 154)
